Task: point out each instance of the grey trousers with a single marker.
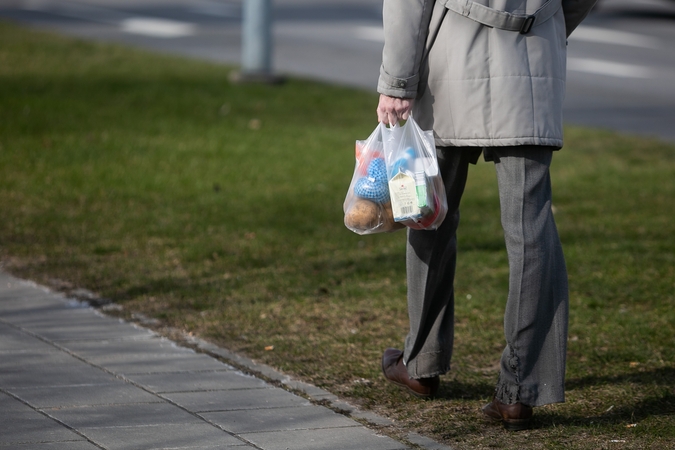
(536, 315)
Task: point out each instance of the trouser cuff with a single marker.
(427, 365)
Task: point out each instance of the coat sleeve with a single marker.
(406, 24)
(575, 11)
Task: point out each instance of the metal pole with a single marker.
(257, 39)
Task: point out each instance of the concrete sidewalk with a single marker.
(74, 379)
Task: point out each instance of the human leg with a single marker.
(536, 316)
(430, 265)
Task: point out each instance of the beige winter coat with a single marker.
(476, 85)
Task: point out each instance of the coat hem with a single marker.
(499, 142)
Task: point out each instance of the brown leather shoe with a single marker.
(395, 372)
(515, 417)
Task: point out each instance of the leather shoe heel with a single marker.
(517, 424)
(515, 417)
(395, 372)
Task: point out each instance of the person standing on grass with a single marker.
(488, 77)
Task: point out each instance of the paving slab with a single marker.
(72, 378)
(193, 382)
(127, 415)
(157, 363)
(278, 419)
(22, 424)
(76, 324)
(188, 436)
(131, 347)
(28, 299)
(71, 445)
(37, 359)
(45, 376)
(324, 439)
(115, 393)
(13, 340)
(236, 399)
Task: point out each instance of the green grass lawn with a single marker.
(217, 208)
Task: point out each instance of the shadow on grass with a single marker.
(629, 414)
(187, 294)
(454, 389)
(654, 405)
(154, 287)
(486, 245)
(662, 376)
(465, 390)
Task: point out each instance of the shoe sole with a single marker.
(406, 387)
(509, 424)
(517, 424)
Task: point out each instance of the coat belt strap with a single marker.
(503, 20)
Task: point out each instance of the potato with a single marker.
(363, 215)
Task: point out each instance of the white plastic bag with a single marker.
(417, 193)
(367, 206)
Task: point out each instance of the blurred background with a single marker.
(621, 60)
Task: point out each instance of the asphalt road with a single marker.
(621, 61)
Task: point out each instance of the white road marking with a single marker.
(162, 28)
(217, 9)
(609, 68)
(605, 36)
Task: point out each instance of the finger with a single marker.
(381, 115)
